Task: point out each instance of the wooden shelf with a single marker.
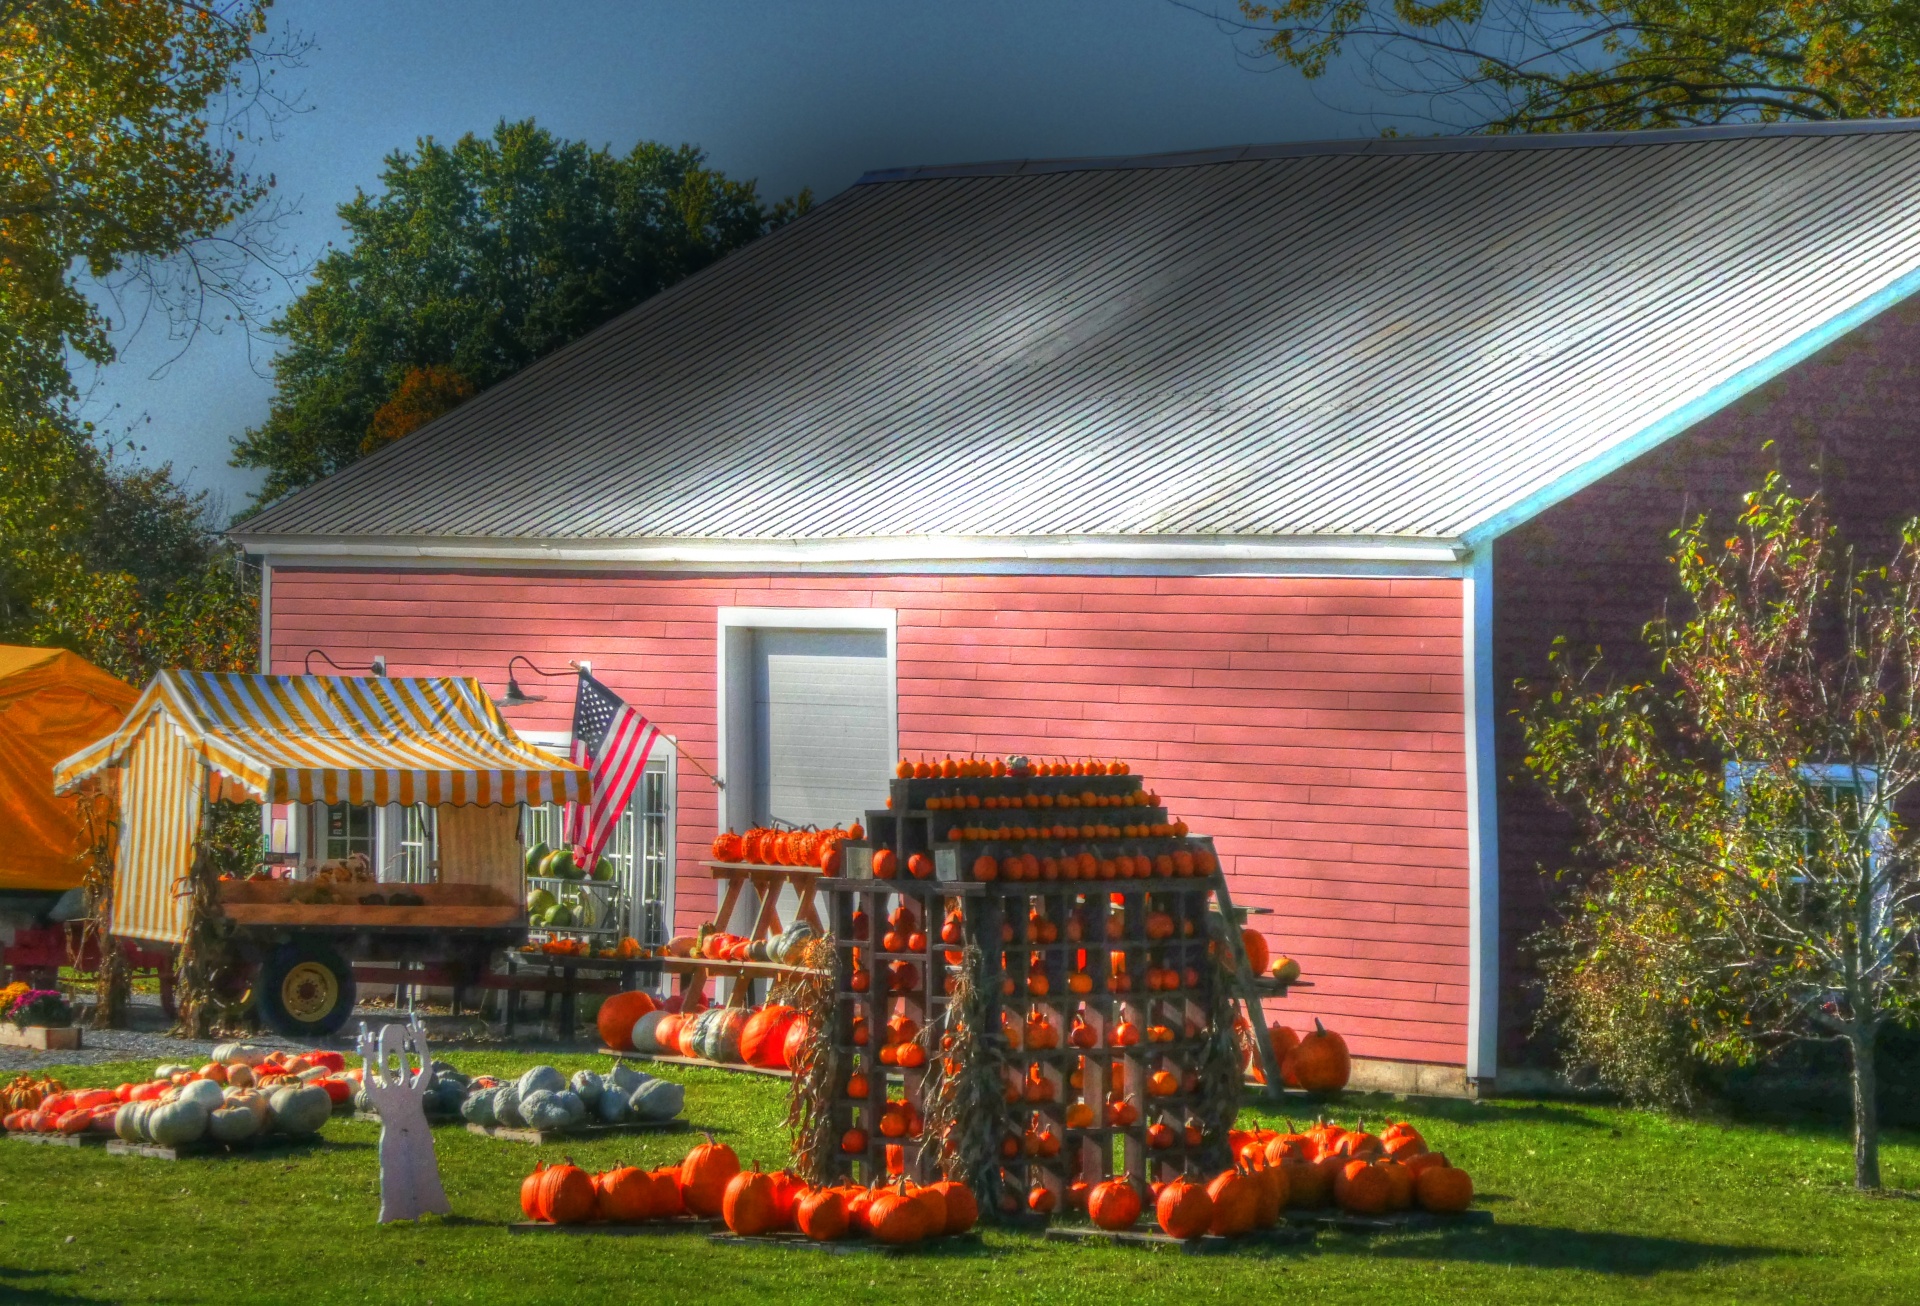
(742, 969)
(721, 869)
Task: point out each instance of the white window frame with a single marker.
(665, 757)
(1864, 780)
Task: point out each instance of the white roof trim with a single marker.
(1307, 553)
(1697, 410)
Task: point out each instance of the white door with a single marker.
(821, 709)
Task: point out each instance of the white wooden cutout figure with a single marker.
(409, 1171)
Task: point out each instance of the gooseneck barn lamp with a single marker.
(378, 666)
(515, 695)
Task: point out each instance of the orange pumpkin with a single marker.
(1363, 1188)
(821, 1214)
(1443, 1188)
(897, 1218)
(1183, 1209)
(617, 1015)
(727, 847)
(748, 1205)
(1113, 1204)
(624, 1195)
(564, 1195)
(704, 1176)
(1321, 1063)
(763, 1038)
(963, 1210)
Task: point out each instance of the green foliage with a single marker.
(1592, 1205)
(1757, 882)
(118, 172)
(110, 162)
(1611, 65)
(474, 260)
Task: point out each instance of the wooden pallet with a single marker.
(188, 1151)
(647, 1227)
(61, 1140)
(847, 1246)
(1206, 1245)
(1394, 1222)
(664, 1059)
(587, 1134)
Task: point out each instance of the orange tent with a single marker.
(52, 703)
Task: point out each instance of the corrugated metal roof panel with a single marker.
(1374, 339)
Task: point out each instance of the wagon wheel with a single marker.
(305, 990)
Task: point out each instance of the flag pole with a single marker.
(718, 783)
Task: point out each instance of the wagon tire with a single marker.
(304, 990)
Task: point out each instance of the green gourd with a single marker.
(716, 1033)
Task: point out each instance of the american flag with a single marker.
(613, 742)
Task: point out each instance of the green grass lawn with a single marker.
(1593, 1204)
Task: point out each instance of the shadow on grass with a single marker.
(1382, 1106)
(29, 1286)
(1543, 1247)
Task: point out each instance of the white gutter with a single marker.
(1483, 822)
(1388, 554)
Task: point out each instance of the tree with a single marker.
(1607, 65)
(474, 260)
(120, 182)
(118, 171)
(1757, 881)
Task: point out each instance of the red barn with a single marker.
(1267, 469)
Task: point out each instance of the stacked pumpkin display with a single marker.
(761, 846)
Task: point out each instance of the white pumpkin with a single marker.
(172, 1124)
(204, 1092)
(643, 1032)
(299, 1110)
(231, 1124)
(253, 1100)
(129, 1122)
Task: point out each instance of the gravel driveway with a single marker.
(148, 1039)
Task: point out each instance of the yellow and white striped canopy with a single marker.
(300, 739)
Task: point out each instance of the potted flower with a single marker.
(37, 1018)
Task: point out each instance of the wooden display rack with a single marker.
(766, 882)
(1004, 920)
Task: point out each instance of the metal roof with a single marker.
(1378, 340)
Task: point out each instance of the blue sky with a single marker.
(791, 92)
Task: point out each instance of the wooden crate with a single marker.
(61, 1140)
(41, 1038)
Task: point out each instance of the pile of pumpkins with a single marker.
(711, 944)
(545, 1098)
(1318, 1063)
(225, 1101)
(709, 1183)
(771, 1037)
(1355, 1170)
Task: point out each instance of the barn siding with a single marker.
(1595, 568)
(1313, 726)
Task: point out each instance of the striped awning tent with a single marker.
(194, 735)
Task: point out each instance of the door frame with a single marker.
(735, 647)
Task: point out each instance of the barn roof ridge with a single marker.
(1381, 146)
